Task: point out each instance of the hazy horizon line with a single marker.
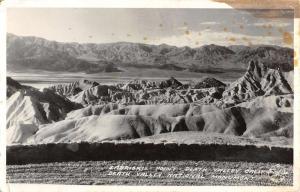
(151, 44)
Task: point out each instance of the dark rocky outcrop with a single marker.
(172, 82)
(13, 86)
(32, 106)
(74, 88)
(259, 80)
(208, 83)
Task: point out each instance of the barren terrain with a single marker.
(211, 115)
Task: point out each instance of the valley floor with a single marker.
(153, 173)
(38, 78)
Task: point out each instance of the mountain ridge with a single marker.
(38, 53)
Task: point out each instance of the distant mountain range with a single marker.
(37, 53)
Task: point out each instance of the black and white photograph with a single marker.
(150, 96)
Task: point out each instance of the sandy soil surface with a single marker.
(152, 173)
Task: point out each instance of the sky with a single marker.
(179, 27)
